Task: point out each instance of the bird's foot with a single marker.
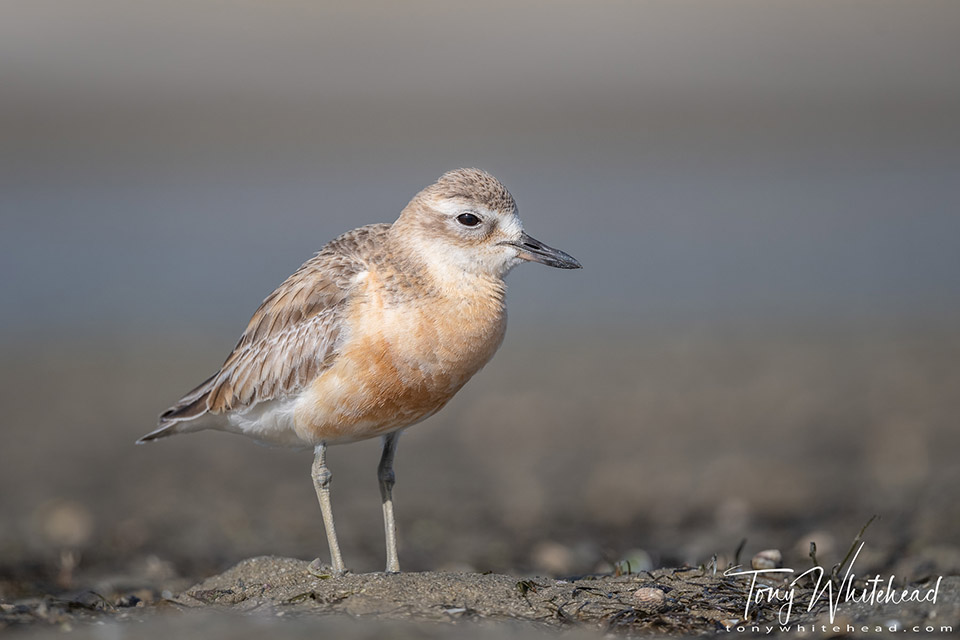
(320, 569)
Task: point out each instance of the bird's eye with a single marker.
(468, 219)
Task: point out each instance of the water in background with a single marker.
(164, 168)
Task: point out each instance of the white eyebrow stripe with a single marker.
(509, 224)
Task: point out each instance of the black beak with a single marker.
(533, 249)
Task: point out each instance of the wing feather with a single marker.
(292, 337)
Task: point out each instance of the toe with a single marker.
(320, 569)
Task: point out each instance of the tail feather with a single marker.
(164, 431)
(177, 418)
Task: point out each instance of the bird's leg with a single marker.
(321, 482)
(387, 480)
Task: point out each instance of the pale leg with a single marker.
(387, 480)
(321, 482)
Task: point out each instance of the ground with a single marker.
(266, 592)
(656, 456)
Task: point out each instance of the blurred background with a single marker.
(763, 343)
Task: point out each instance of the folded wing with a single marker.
(292, 338)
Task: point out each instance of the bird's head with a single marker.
(467, 221)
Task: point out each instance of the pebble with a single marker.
(65, 523)
(768, 559)
(650, 599)
(553, 558)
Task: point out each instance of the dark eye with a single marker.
(468, 219)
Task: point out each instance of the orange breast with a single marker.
(399, 364)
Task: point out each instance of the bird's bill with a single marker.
(533, 250)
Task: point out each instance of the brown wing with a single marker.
(291, 338)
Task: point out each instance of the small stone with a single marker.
(768, 559)
(650, 599)
(64, 523)
(552, 558)
(128, 600)
(145, 596)
(603, 567)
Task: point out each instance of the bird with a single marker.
(373, 334)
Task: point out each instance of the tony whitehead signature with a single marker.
(875, 591)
